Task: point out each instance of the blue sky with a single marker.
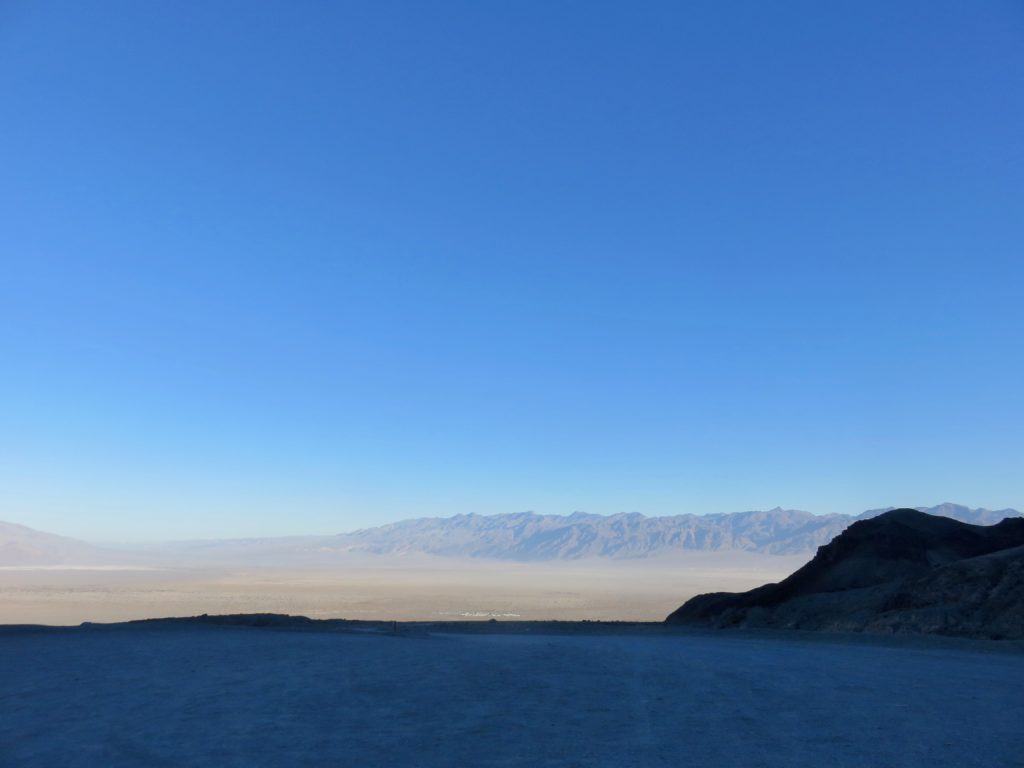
(304, 267)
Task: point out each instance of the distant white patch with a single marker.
(79, 568)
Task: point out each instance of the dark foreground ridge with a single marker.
(285, 621)
(191, 628)
(903, 571)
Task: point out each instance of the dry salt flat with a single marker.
(173, 695)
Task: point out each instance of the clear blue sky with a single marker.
(303, 267)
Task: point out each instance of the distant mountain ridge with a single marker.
(23, 546)
(521, 536)
(528, 536)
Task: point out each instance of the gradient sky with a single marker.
(304, 267)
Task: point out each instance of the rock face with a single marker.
(902, 571)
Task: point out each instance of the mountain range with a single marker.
(523, 536)
(527, 536)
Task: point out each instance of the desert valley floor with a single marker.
(388, 588)
(502, 695)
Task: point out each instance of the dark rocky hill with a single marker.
(902, 571)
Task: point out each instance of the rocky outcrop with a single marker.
(903, 571)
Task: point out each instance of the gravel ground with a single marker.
(187, 695)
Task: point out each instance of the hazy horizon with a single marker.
(92, 539)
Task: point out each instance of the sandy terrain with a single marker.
(226, 696)
(388, 588)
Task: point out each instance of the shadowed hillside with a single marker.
(901, 571)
